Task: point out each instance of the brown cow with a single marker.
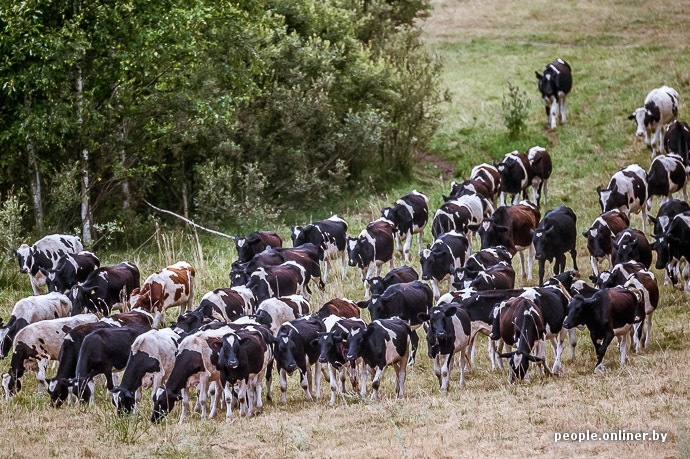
(341, 307)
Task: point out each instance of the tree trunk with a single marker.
(86, 215)
(185, 203)
(35, 175)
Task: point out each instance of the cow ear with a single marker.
(585, 233)
(634, 242)
(507, 355)
(599, 190)
(474, 228)
(501, 228)
(532, 231)
(632, 117)
(423, 316)
(363, 304)
(445, 198)
(314, 343)
(594, 278)
(538, 75)
(549, 230)
(451, 311)
(652, 219)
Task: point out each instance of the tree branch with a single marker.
(217, 233)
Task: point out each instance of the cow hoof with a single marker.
(599, 369)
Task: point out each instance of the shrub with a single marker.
(515, 107)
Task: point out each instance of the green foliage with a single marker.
(515, 107)
(11, 230)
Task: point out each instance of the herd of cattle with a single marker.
(227, 346)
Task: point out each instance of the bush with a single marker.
(515, 107)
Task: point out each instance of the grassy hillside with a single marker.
(618, 51)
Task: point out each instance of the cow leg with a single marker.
(559, 342)
(648, 329)
(501, 201)
(531, 253)
(202, 394)
(305, 383)
(541, 263)
(573, 255)
(420, 239)
(437, 370)
(185, 405)
(317, 379)
(561, 109)
(434, 286)
(364, 374)
(554, 112)
(159, 320)
(215, 399)
(414, 340)
(283, 385)
(408, 244)
(572, 339)
(401, 374)
(445, 371)
(269, 380)
(376, 382)
(595, 265)
(623, 347)
(334, 384)
(34, 284)
(227, 393)
(42, 365)
(326, 267)
(257, 391)
(601, 350)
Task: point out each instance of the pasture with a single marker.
(618, 51)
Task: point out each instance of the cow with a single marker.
(307, 255)
(70, 269)
(150, 361)
(409, 215)
(667, 211)
(293, 351)
(672, 249)
(449, 332)
(627, 191)
(540, 164)
(194, 367)
(45, 254)
(489, 175)
(103, 351)
(378, 284)
(385, 342)
(289, 278)
(30, 310)
(645, 282)
(516, 175)
(254, 243)
(171, 286)
(500, 276)
(35, 346)
(223, 304)
(460, 214)
(666, 175)
(555, 83)
(282, 309)
(470, 187)
(600, 236)
(478, 262)
(59, 387)
(632, 245)
(555, 235)
(677, 139)
(371, 249)
(660, 108)
(609, 312)
(339, 307)
(329, 235)
(105, 289)
(520, 324)
(244, 358)
(448, 252)
(332, 345)
(618, 275)
(510, 227)
(405, 301)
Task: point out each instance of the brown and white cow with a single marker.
(540, 163)
(340, 307)
(171, 286)
(372, 248)
(489, 175)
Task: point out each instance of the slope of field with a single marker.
(618, 51)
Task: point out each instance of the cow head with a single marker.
(440, 323)
(376, 286)
(541, 238)
(492, 235)
(163, 403)
(285, 349)
(611, 198)
(578, 308)
(599, 240)
(360, 252)
(547, 85)
(24, 256)
(663, 253)
(11, 384)
(329, 344)
(123, 399)
(295, 232)
(187, 322)
(627, 249)
(355, 340)
(58, 389)
(238, 274)
(646, 118)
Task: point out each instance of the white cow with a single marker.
(660, 109)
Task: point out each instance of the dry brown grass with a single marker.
(490, 417)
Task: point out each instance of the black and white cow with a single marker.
(555, 83)
(332, 345)
(516, 176)
(646, 283)
(289, 278)
(519, 323)
(510, 227)
(282, 309)
(660, 108)
(459, 214)
(478, 262)
(245, 357)
(677, 139)
(609, 312)
(71, 268)
(30, 310)
(667, 175)
(600, 237)
(329, 235)
(105, 289)
(489, 175)
(35, 346)
(193, 368)
(555, 235)
(59, 387)
(627, 191)
(448, 253)
(449, 332)
(469, 187)
(150, 361)
(372, 248)
(406, 301)
(673, 249)
(103, 351)
(409, 215)
(632, 245)
(400, 275)
(667, 211)
(293, 351)
(385, 342)
(540, 162)
(618, 275)
(45, 254)
(500, 276)
(254, 243)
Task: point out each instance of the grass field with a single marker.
(618, 51)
